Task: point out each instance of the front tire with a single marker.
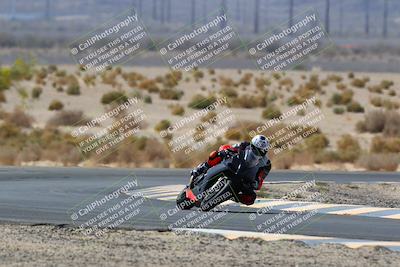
(213, 200)
(182, 202)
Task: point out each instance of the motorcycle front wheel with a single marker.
(182, 202)
(219, 196)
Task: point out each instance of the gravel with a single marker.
(24, 245)
(375, 195)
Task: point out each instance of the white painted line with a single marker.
(356, 211)
(393, 216)
(313, 206)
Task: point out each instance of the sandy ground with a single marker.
(375, 195)
(55, 246)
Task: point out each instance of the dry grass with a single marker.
(177, 110)
(67, 118)
(385, 145)
(379, 162)
(349, 149)
(19, 118)
(379, 121)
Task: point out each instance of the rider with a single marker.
(260, 145)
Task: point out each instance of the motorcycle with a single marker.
(220, 183)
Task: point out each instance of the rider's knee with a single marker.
(247, 199)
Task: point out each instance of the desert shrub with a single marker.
(147, 99)
(56, 105)
(226, 82)
(136, 94)
(355, 107)
(229, 92)
(89, 80)
(162, 125)
(245, 101)
(5, 78)
(376, 101)
(295, 100)
(41, 75)
(335, 78)
(288, 82)
(324, 82)
(359, 83)
(2, 97)
(387, 104)
(284, 160)
(341, 86)
(110, 77)
(127, 155)
(200, 101)
(19, 118)
(246, 79)
(261, 83)
(271, 112)
(198, 74)
(10, 131)
(67, 118)
(378, 121)
(177, 110)
(378, 162)
(350, 75)
(373, 122)
(385, 84)
(114, 97)
(36, 92)
(316, 142)
(348, 148)
(8, 155)
(74, 89)
(313, 84)
(276, 75)
(149, 85)
(132, 78)
(22, 93)
(248, 101)
(233, 134)
(199, 134)
(171, 94)
(385, 145)
(392, 123)
(375, 89)
(338, 110)
(61, 73)
(342, 99)
(392, 92)
(324, 156)
(304, 92)
(172, 79)
(301, 112)
(52, 68)
(22, 69)
(210, 117)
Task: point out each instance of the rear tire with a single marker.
(182, 202)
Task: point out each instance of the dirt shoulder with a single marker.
(375, 195)
(23, 245)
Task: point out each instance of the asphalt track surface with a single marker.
(51, 195)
